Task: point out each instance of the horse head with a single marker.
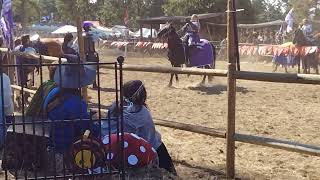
(300, 39)
(163, 33)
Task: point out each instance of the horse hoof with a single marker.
(169, 85)
(202, 83)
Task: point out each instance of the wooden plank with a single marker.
(191, 128)
(279, 144)
(169, 70)
(47, 59)
(279, 77)
(243, 75)
(18, 88)
(231, 115)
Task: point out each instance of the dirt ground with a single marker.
(282, 111)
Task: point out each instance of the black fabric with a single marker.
(165, 160)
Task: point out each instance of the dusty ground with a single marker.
(283, 111)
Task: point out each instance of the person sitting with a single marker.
(6, 105)
(138, 120)
(64, 102)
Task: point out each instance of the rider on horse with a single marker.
(307, 30)
(191, 39)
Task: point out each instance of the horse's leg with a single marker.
(171, 79)
(204, 79)
(177, 78)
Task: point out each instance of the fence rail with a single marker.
(243, 75)
(249, 139)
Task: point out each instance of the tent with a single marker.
(65, 29)
(46, 28)
(122, 29)
(145, 33)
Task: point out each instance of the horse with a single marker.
(311, 59)
(204, 57)
(48, 47)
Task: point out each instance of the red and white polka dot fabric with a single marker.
(137, 151)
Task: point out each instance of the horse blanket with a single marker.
(201, 56)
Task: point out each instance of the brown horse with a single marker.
(47, 47)
(311, 60)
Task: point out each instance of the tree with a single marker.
(266, 11)
(25, 11)
(66, 10)
(302, 8)
(46, 7)
(188, 7)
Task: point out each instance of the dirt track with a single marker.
(283, 111)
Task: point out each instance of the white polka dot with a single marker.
(135, 136)
(106, 140)
(132, 160)
(125, 145)
(154, 150)
(110, 156)
(142, 149)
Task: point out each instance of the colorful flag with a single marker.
(126, 17)
(6, 22)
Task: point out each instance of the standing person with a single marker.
(138, 120)
(67, 45)
(89, 46)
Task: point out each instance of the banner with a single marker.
(6, 23)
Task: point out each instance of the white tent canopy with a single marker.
(146, 33)
(106, 31)
(65, 29)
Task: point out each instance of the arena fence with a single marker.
(30, 152)
(244, 75)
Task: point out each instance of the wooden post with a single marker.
(81, 51)
(11, 70)
(231, 92)
(151, 27)
(141, 34)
